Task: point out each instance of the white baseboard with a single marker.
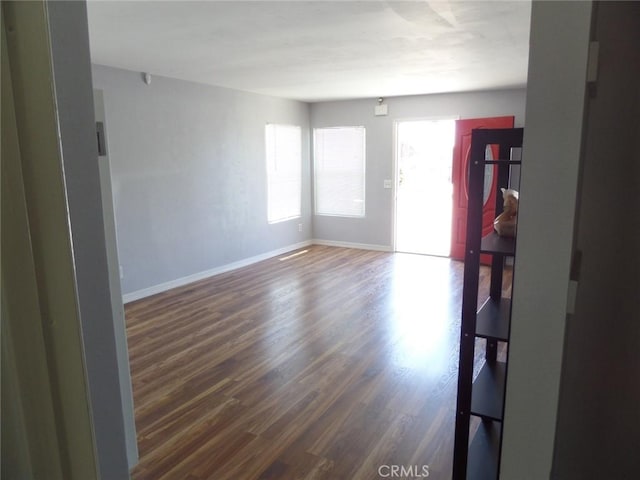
(179, 282)
(361, 246)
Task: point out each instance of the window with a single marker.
(339, 158)
(284, 172)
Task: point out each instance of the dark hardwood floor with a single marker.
(323, 364)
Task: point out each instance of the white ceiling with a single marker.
(319, 50)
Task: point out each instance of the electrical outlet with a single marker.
(299, 227)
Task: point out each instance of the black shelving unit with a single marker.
(484, 396)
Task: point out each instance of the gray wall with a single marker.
(189, 175)
(377, 226)
(598, 416)
(548, 185)
(74, 96)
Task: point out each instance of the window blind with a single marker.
(339, 173)
(284, 171)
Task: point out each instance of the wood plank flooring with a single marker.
(323, 364)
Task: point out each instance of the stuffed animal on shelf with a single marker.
(505, 223)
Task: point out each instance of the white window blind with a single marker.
(284, 172)
(339, 174)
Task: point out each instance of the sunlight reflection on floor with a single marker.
(414, 316)
(420, 322)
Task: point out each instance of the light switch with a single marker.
(387, 184)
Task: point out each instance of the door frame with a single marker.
(46, 316)
(114, 272)
(395, 177)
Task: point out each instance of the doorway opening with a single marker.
(423, 206)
